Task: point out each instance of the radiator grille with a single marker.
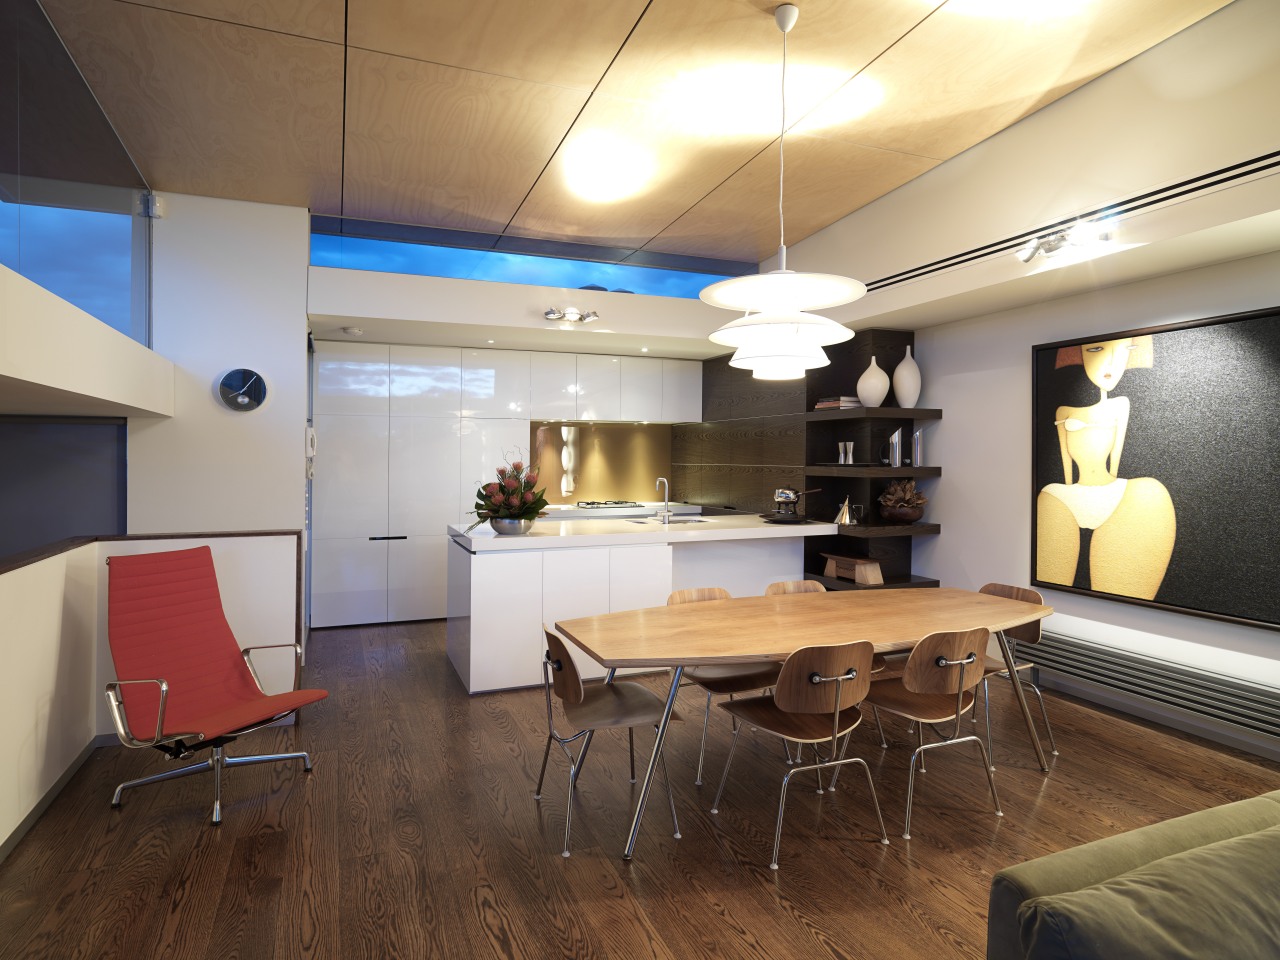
(1246, 708)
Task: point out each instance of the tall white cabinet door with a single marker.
(495, 383)
(348, 581)
(641, 389)
(639, 576)
(575, 583)
(350, 486)
(486, 445)
(599, 387)
(425, 381)
(681, 391)
(553, 386)
(351, 378)
(424, 479)
(515, 659)
(416, 578)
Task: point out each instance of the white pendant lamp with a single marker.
(775, 302)
(779, 361)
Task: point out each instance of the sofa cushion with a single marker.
(1219, 900)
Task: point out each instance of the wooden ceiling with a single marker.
(479, 116)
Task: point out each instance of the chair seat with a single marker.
(887, 667)
(617, 704)
(763, 713)
(891, 695)
(734, 677)
(237, 717)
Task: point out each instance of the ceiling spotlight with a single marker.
(353, 331)
(570, 315)
(1084, 233)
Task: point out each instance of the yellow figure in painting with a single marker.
(1133, 521)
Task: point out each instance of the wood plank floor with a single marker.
(417, 834)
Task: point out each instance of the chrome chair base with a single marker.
(986, 712)
(216, 762)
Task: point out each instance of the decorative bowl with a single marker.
(901, 515)
(510, 526)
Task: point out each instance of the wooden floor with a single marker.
(417, 835)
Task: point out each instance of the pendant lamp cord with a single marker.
(782, 139)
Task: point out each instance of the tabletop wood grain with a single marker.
(749, 629)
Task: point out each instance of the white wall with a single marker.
(229, 289)
(979, 372)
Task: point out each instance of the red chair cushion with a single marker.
(165, 621)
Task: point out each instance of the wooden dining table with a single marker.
(753, 629)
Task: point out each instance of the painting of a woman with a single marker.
(1133, 521)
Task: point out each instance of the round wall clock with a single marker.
(242, 390)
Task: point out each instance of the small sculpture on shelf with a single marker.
(902, 503)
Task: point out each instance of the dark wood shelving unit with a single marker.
(869, 472)
(867, 531)
(890, 583)
(875, 413)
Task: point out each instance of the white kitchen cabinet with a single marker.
(639, 576)
(348, 581)
(349, 492)
(416, 578)
(553, 386)
(641, 389)
(575, 583)
(681, 391)
(495, 383)
(424, 475)
(599, 387)
(425, 381)
(486, 444)
(351, 378)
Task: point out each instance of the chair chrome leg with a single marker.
(186, 771)
(217, 764)
(876, 713)
(671, 799)
(817, 769)
(537, 794)
(911, 787)
(777, 830)
(631, 748)
(1053, 746)
(986, 710)
(582, 756)
(991, 779)
(884, 834)
(920, 740)
(568, 812)
(733, 745)
(702, 747)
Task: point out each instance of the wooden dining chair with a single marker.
(815, 703)
(727, 679)
(1024, 633)
(936, 685)
(588, 709)
(794, 586)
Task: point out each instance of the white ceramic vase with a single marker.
(873, 385)
(906, 381)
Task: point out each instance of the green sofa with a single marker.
(1206, 885)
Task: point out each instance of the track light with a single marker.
(1082, 234)
(570, 315)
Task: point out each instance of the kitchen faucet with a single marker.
(665, 515)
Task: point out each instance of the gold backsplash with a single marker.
(609, 461)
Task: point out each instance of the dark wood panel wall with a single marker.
(754, 437)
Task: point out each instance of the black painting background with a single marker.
(1204, 422)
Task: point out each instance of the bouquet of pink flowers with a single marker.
(512, 496)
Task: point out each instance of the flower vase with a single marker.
(510, 526)
(906, 381)
(873, 385)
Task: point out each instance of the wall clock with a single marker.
(242, 390)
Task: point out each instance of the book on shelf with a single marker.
(837, 403)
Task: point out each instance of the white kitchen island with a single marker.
(501, 590)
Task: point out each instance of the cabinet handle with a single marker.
(388, 538)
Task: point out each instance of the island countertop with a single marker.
(548, 534)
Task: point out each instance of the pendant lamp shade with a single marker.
(780, 328)
(779, 361)
(781, 291)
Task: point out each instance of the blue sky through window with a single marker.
(392, 256)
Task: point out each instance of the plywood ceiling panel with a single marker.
(467, 116)
(826, 179)
(444, 146)
(563, 42)
(212, 108)
(317, 19)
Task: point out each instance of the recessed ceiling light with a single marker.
(644, 349)
(488, 341)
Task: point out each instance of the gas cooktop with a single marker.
(599, 504)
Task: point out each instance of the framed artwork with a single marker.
(1156, 466)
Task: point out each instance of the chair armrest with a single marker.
(297, 661)
(116, 705)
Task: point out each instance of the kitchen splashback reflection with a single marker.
(602, 461)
